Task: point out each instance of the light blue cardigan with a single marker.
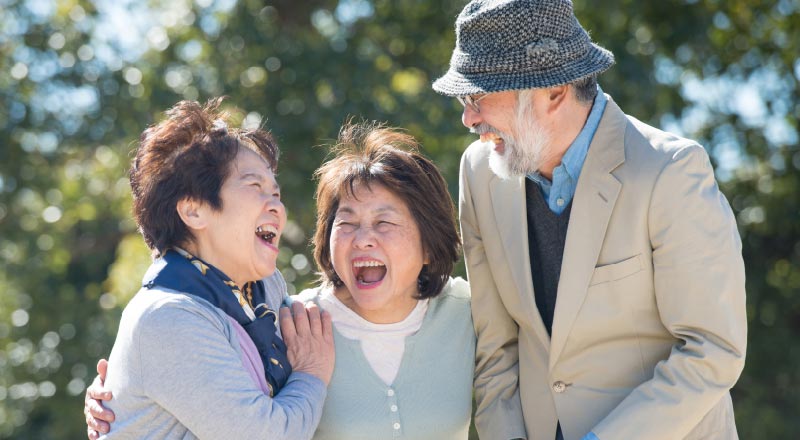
(431, 398)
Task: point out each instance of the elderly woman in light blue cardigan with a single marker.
(385, 244)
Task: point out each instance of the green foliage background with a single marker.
(78, 84)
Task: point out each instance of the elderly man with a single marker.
(605, 264)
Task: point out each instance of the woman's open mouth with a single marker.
(268, 234)
(368, 273)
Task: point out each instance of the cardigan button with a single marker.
(390, 393)
(396, 425)
(393, 408)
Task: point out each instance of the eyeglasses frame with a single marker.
(471, 101)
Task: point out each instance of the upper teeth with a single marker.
(491, 137)
(367, 263)
(267, 229)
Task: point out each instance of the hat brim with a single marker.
(454, 83)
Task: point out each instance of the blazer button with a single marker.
(559, 387)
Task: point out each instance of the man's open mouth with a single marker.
(498, 143)
(491, 137)
(369, 272)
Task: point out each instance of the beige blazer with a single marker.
(649, 331)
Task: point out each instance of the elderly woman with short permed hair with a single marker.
(385, 243)
(198, 345)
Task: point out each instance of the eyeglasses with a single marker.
(472, 101)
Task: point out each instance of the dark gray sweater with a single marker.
(547, 233)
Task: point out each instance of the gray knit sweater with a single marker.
(176, 373)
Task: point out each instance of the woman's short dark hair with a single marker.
(187, 156)
(370, 153)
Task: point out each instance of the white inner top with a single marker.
(383, 344)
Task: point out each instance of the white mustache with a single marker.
(485, 128)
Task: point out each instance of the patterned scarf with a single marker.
(180, 271)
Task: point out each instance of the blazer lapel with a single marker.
(508, 199)
(592, 206)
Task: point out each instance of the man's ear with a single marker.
(192, 213)
(556, 96)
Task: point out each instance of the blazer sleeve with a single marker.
(700, 294)
(498, 414)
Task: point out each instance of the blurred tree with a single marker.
(80, 80)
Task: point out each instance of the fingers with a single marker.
(96, 427)
(308, 333)
(99, 426)
(288, 332)
(97, 411)
(314, 319)
(300, 319)
(327, 326)
(96, 390)
(305, 321)
(102, 368)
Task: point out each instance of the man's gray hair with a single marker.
(585, 89)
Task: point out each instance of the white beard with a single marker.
(524, 153)
(499, 163)
(522, 156)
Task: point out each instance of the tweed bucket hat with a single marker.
(519, 44)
